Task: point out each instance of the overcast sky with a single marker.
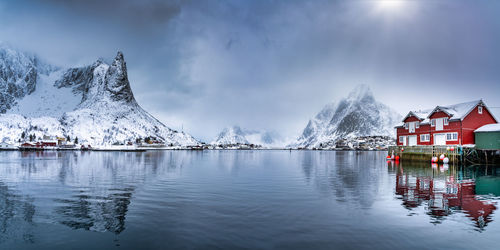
(205, 65)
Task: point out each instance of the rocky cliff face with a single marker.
(19, 73)
(357, 115)
(94, 103)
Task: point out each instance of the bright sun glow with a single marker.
(390, 5)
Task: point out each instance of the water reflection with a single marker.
(350, 177)
(16, 215)
(444, 190)
(96, 213)
(241, 199)
(81, 190)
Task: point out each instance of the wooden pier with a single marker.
(459, 154)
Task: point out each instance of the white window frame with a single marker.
(425, 137)
(480, 110)
(406, 125)
(452, 136)
(417, 124)
(433, 122)
(445, 122)
(401, 139)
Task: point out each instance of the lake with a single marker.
(243, 200)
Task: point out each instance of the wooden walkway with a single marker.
(459, 154)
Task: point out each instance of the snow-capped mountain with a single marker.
(94, 103)
(19, 73)
(236, 135)
(357, 115)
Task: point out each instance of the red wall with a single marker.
(473, 121)
(411, 119)
(439, 114)
(423, 129)
(465, 128)
(453, 126)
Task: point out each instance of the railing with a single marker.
(433, 150)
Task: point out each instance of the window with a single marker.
(417, 124)
(433, 122)
(406, 125)
(445, 121)
(401, 139)
(451, 136)
(425, 138)
(480, 109)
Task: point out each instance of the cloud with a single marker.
(205, 65)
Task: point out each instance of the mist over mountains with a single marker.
(94, 103)
(357, 115)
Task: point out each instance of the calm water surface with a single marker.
(243, 199)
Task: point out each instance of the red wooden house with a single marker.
(444, 125)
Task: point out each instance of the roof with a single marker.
(456, 111)
(421, 114)
(489, 128)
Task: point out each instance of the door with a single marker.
(439, 124)
(412, 140)
(439, 139)
(404, 140)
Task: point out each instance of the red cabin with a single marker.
(444, 125)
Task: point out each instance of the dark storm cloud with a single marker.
(270, 64)
(140, 15)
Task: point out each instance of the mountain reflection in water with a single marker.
(258, 199)
(445, 189)
(91, 192)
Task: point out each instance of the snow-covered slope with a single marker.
(94, 103)
(236, 135)
(357, 115)
(19, 73)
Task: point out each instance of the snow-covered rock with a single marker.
(19, 73)
(94, 103)
(357, 115)
(235, 135)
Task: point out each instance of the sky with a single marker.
(272, 65)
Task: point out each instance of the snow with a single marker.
(489, 128)
(459, 111)
(94, 103)
(357, 115)
(236, 135)
(47, 100)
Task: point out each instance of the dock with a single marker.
(457, 155)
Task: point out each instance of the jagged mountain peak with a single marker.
(117, 80)
(359, 114)
(237, 135)
(94, 103)
(15, 59)
(231, 135)
(361, 92)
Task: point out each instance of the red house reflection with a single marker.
(443, 196)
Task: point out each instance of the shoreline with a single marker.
(184, 149)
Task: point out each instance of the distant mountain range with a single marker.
(357, 115)
(94, 103)
(236, 135)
